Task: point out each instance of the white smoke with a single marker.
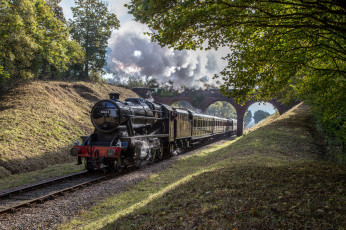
(132, 53)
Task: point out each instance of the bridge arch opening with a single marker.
(257, 112)
(183, 104)
(222, 109)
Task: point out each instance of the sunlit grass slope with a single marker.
(40, 120)
(271, 178)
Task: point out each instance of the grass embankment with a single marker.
(39, 121)
(270, 178)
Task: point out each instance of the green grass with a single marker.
(271, 178)
(39, 175)
(39, 122)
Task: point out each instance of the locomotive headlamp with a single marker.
(110, 152)
(74, 152)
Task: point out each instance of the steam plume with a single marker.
(132, 53)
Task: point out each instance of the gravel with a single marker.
(51, 214)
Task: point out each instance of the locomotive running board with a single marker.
(146, 118)
(143, 136)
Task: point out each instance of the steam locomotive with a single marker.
(136, 131)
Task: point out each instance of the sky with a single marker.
(132, 53)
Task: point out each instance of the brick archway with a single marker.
(209, 102)
(202, 99)
(176, 100)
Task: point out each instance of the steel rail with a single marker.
(52, 195)
(41, 184)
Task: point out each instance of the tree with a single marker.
(92, 26)
(183, 104)
(17, 38)
(57, 10)
(34, 44)
(259, 115)
(57, 51)
(247, 117)
(292, 49)
(222, 109)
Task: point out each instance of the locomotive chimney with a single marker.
(114, 96)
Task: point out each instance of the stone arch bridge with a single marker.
(202, 99)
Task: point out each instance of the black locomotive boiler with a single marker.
(135, 131)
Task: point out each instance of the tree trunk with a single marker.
(86, 70)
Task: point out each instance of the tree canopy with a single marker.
(92, 26)
(247, 118)
(293, 49)
(34, 43)
(259, 115)
(222, 109)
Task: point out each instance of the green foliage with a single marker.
(182, 104)
(34, 43)
(4, 77)
(138, 82)
(58, 11)
(92, 26)
(132, 81)
(164, 92)
(247, 117)
(259, 115)
(290, 49)
(222, 109)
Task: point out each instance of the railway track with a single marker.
(12, 200)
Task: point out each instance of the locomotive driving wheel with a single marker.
(159, 153)
(111, 164)
(89, 165)
(138, 163)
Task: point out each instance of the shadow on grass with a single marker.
(253, 194)
(32, 163)
(36, 168)
(3, 108)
